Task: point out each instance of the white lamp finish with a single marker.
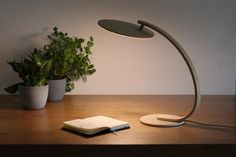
(160, 120)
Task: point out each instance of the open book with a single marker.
(96, 124)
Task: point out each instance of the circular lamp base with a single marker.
(153, 120)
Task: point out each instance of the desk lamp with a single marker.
(139, 31)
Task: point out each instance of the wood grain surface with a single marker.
(18, 126)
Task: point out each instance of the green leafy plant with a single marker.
(69, 58)
(33, 71)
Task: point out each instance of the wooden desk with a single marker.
(19, 128)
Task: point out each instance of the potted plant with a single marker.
(33, 71)
(70, 62)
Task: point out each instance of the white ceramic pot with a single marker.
(56, 89)
(33, 97)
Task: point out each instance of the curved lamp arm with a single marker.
(191, 68)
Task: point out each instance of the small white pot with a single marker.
(56, 89)
(33, 97)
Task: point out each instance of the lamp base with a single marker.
(161, 120)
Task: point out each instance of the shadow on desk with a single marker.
(10, 102)
(84, 135)
(119, 150)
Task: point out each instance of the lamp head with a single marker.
(125, 28)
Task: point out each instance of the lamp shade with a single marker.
(125, 28)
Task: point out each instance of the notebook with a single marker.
(96, 124)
